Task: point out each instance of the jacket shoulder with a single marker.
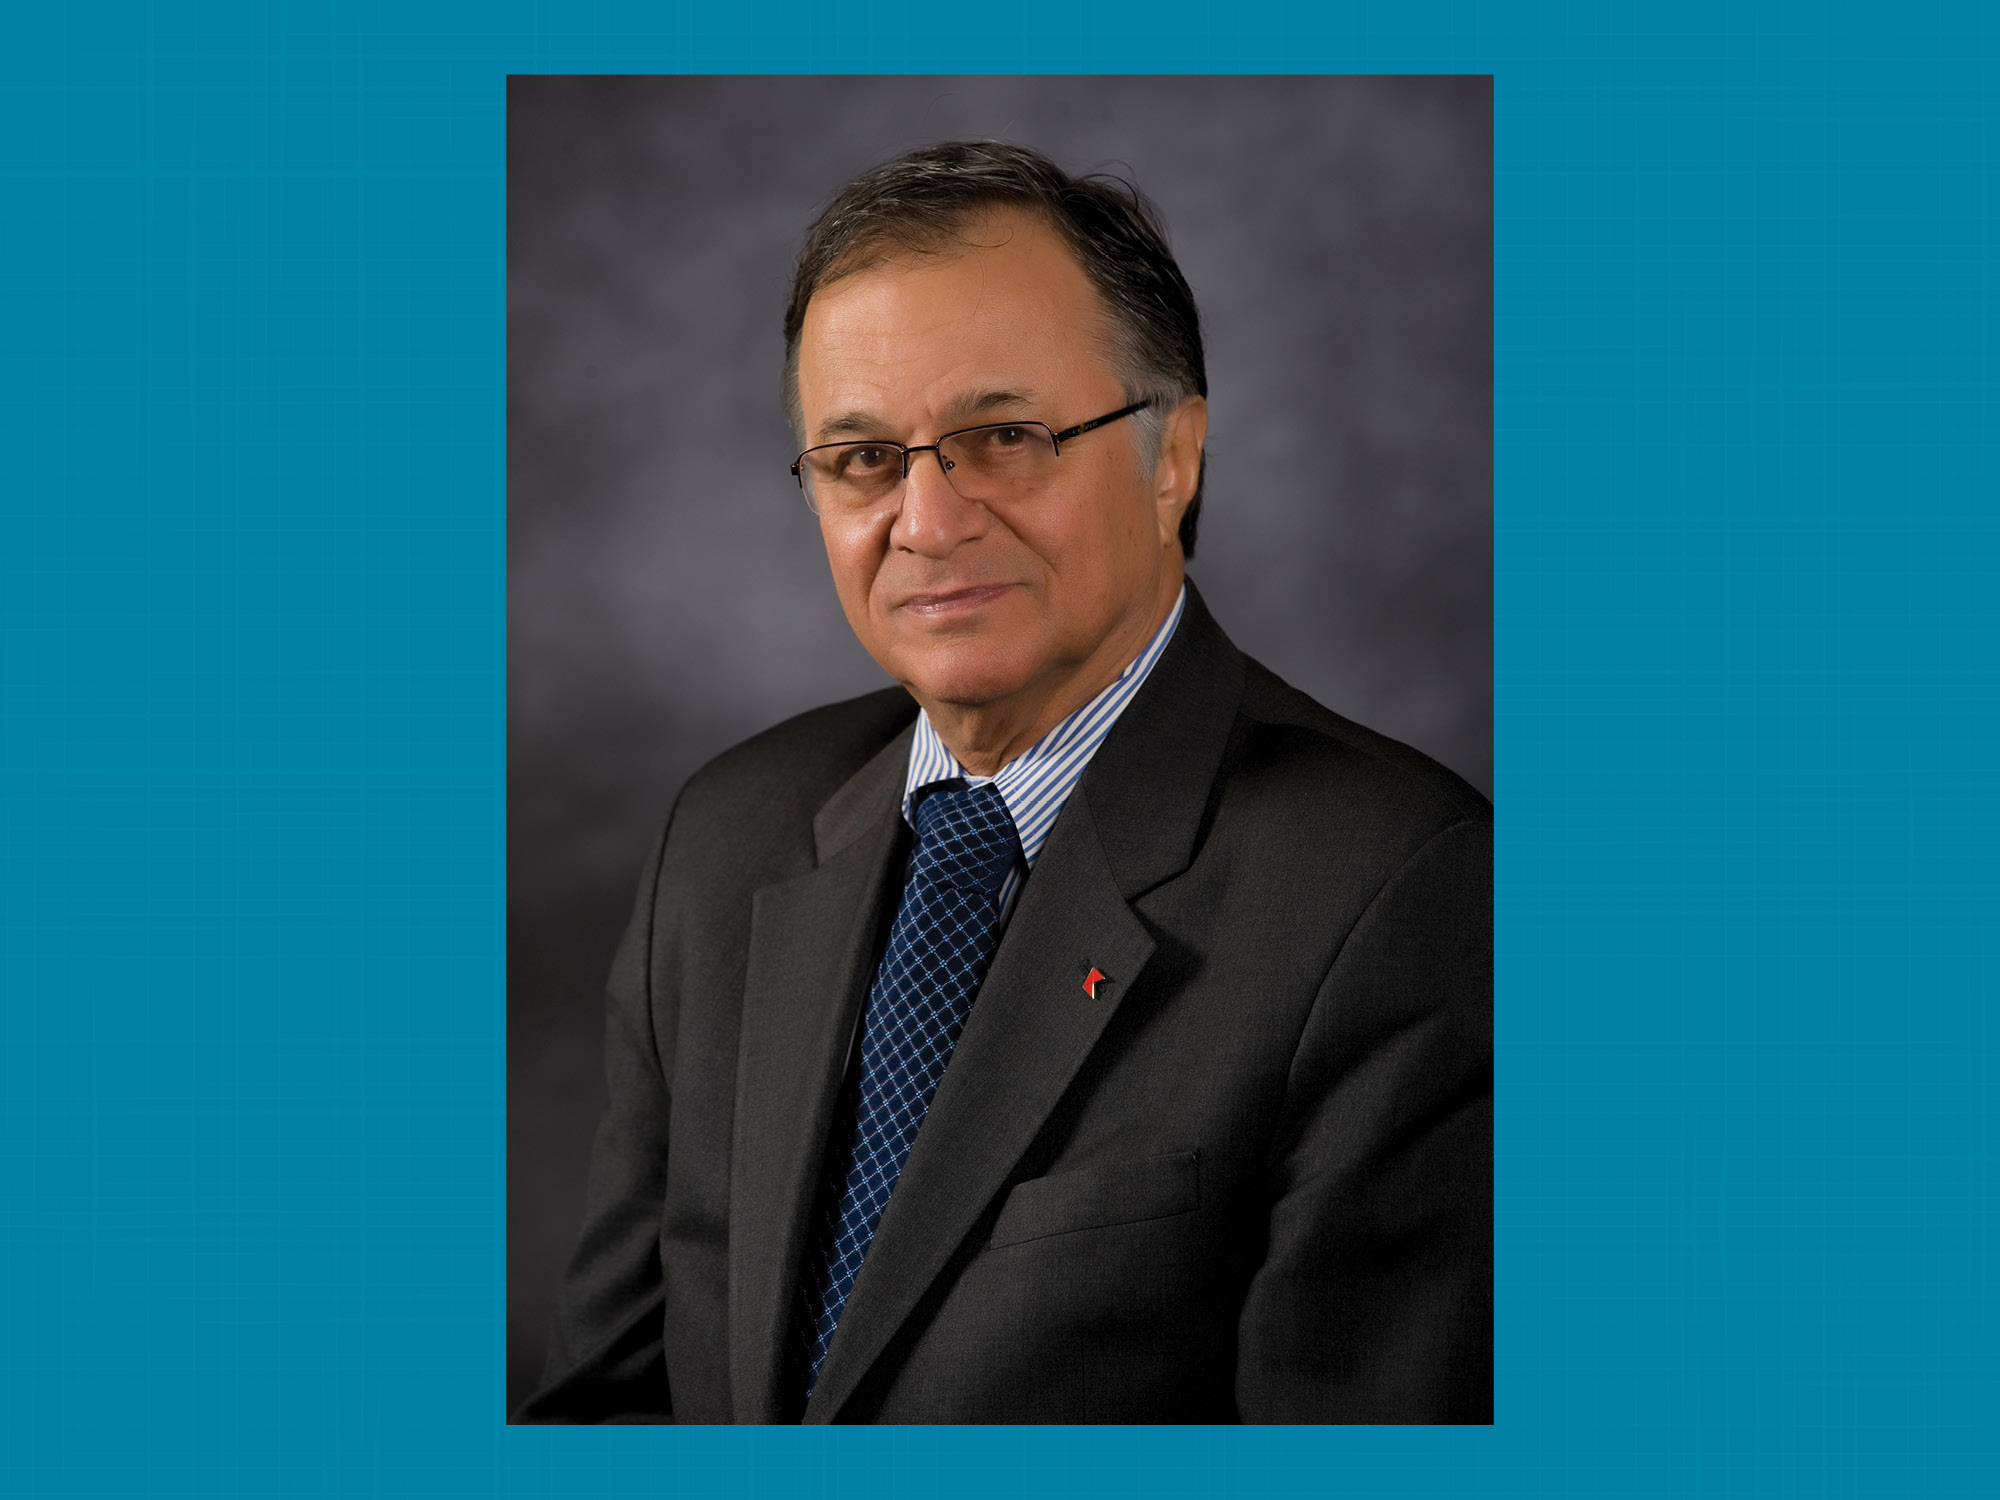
(796, 765)
(1316, 739)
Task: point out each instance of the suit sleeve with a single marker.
(605, 1361)
(1374, 1301)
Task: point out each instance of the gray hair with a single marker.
(923, 201)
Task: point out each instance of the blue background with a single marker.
(252, 689)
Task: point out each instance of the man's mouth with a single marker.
(944, 603)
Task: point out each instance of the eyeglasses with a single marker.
(1000, 462)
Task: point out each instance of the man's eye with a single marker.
(998, 444)
(861, 462)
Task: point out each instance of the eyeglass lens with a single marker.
(1003, 462)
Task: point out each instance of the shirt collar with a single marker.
(1036, 783)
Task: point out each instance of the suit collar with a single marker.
(1037, 782)
(1149, 780)
(1149, 784)
(854, 810)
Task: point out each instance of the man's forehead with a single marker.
(992, 273)
(929, 340)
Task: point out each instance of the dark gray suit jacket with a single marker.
(1251, 1179)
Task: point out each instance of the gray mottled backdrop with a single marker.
(667, 592)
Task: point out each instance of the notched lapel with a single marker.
(1031, 1028)
(811, 948)
(1149, 782)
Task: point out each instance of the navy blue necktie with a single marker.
(938, 952)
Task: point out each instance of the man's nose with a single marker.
(934, 517)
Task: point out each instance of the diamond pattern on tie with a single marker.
(939, 949)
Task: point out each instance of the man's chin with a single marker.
(965, 673)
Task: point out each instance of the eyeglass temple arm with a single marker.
(1082, 427)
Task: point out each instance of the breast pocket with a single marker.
(1122, 1192)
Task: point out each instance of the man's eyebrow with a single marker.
(850, 424)
(858, 423)
(980, 403)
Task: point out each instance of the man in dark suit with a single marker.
(1092, 1028)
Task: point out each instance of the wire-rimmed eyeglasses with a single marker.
(999, 461)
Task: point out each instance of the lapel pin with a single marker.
(1091, 982)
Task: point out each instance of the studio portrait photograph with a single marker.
(999, 750)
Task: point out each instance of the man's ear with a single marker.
(1178, 473)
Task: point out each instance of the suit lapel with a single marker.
(812, 943)
(1131, 824)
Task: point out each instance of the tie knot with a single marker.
(965, 837)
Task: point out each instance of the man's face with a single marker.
(973, 604)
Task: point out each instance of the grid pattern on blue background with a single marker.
(251, 698)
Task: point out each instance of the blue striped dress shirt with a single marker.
(1036, 784)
